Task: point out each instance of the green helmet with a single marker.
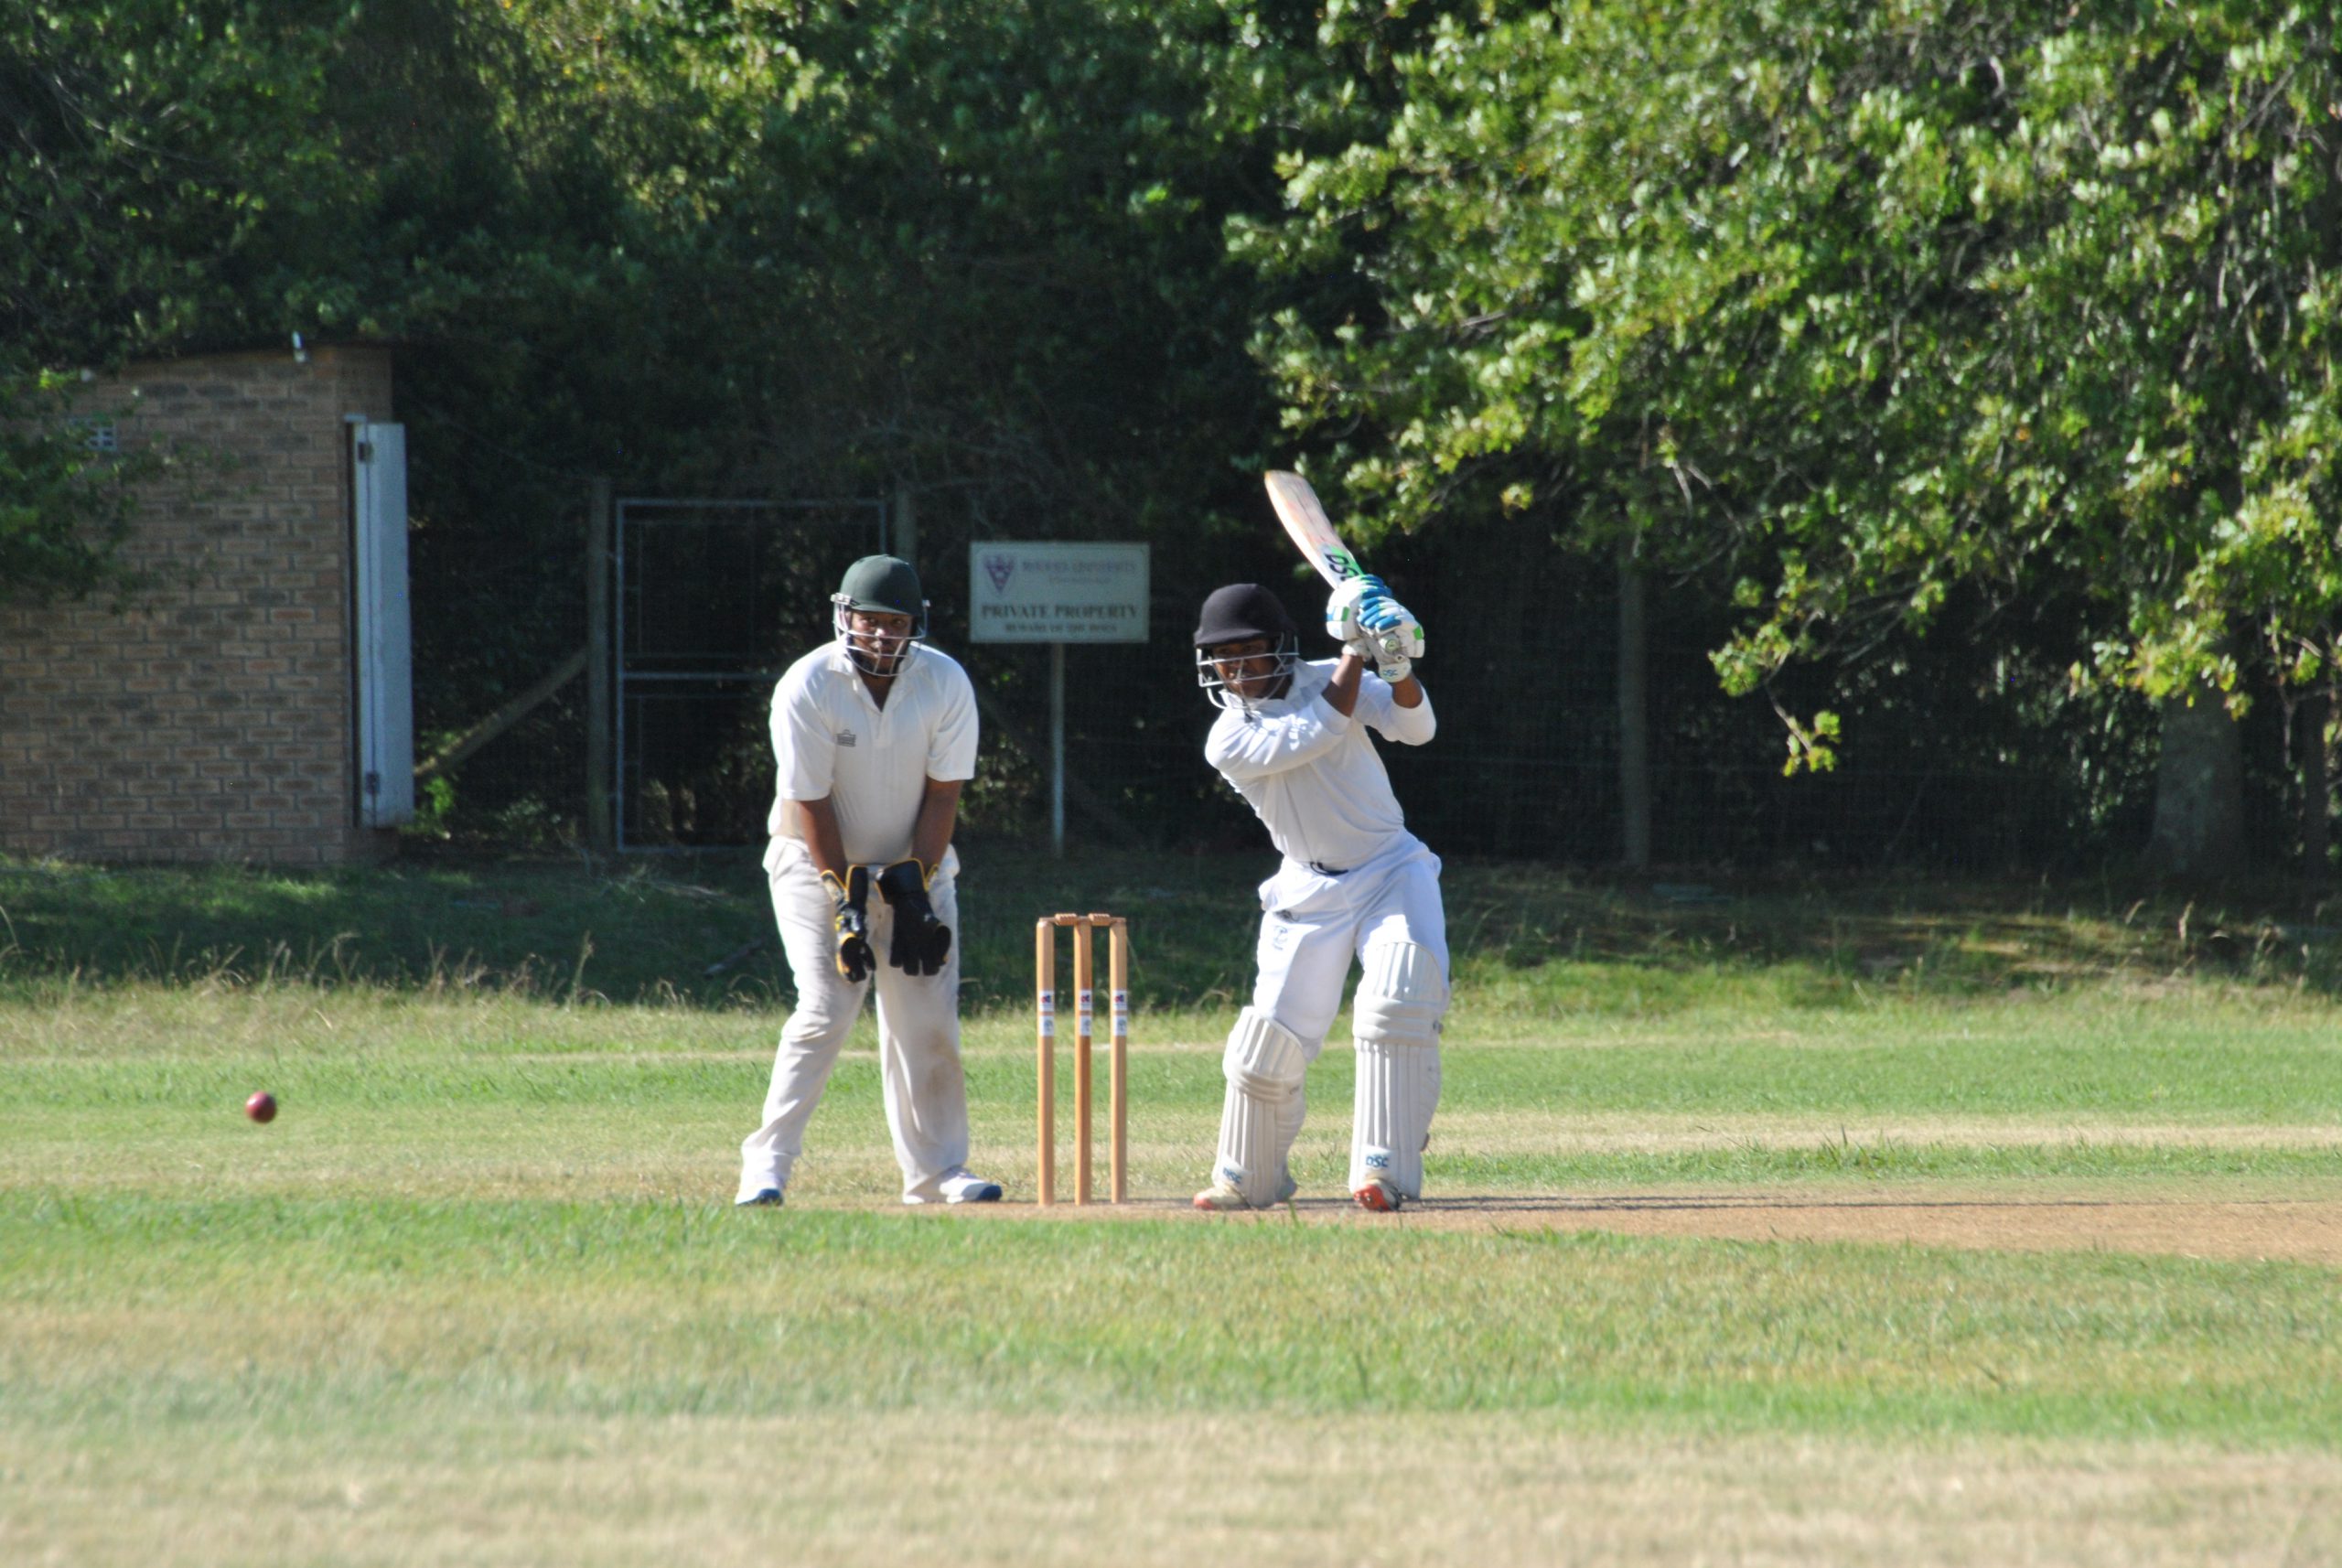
(884, 583)
(879, 584)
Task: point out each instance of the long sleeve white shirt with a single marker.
(1312, 775)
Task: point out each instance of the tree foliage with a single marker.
(225, 174)
(64, 503)
(1870, 310)
(1859, 321)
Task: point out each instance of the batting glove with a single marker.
(1393, 637)
(1343, 619)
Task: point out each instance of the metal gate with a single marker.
(716, 599)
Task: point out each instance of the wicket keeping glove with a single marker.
(921, 941)
(850, 920)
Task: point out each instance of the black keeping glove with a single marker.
(851, 921)
(921, 941)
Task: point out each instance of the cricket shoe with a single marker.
(966, 1187)
(1226, 1197)
(763, 1198)
(1379, 1196)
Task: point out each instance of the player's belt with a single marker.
(1324, 870)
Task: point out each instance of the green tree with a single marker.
(1871, 311)
(487, 186)
(974, 248)
(137, 142)
(65, 504)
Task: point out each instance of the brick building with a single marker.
(235, 711)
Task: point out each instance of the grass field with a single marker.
(1780, 1222)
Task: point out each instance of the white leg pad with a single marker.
(1289, 1119)
(1264, 1063)
(1402, 998)
(1398, 1090)
(1401, 994)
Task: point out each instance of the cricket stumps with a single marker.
(1118, 984)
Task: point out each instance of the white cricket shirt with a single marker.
(830, 739)
(1312, 775)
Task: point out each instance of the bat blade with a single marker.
(1311, 531)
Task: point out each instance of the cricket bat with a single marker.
(1312, 532)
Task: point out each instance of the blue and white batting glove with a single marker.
(1342, 620)
(1379, 612)
(1393, 637)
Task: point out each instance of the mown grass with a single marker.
(239, 1309)
(2210, 1053)
(2031, 1085)
(496, 1198)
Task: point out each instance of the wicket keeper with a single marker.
(873, 735)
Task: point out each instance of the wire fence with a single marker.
(1523, 673)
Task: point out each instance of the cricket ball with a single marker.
(262, 1106)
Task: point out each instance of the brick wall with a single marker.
(211, 720)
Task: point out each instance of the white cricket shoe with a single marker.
(1226, 1197)
(761, 1197)
(1379, 1196)
(965, 1187)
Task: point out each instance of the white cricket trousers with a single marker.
(919, 1074)
(1312, 925)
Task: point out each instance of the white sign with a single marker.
(1046, 592)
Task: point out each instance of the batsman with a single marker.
(1294, 739)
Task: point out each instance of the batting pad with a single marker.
(1398, 1090)
(1402, 997)
(1263, 1063)
(1401, 994)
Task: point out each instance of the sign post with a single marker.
(1057, 593)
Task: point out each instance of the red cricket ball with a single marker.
(262, 1106)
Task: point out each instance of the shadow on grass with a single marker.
(698, 930)
(1900, 929)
